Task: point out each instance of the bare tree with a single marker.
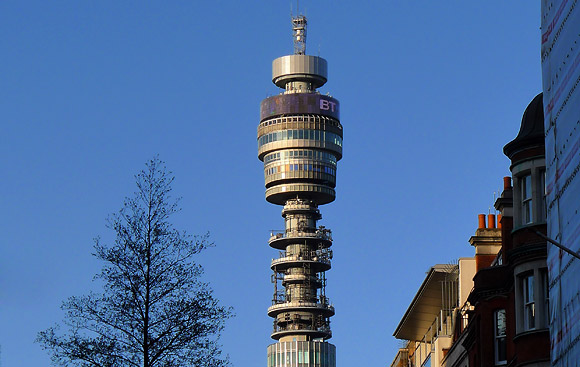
(154, 310)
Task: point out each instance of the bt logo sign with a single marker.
(327, 105)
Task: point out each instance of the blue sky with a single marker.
(430, 92)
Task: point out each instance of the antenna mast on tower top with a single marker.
(299, 34)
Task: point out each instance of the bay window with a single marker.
(529, 193)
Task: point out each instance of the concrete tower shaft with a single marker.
(301, 310)
(300, 143)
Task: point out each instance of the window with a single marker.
(500, 337)
(528, 302)
(543, 188)
(300, 134)
(532, 306)
(526, 196)
(546, 296)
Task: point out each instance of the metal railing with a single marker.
(278, 303)
(300, 327)
(441, 326)
(320, 300)
(322, 258)
(322, 233)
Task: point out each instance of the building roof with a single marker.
(426, 305)
(531, 130)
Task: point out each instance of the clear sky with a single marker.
(430, 92)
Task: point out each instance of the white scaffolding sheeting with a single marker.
(561, 78)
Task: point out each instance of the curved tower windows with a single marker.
(321, 136)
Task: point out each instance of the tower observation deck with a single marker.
(300, 143)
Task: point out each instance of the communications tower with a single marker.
(300, 142)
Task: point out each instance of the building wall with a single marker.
(466, 273)
(456, 355)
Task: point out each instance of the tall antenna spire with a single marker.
(299, 34)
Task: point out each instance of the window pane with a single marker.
(529, 288)
(529, 306)
(543, 188)
(527, 211)
(546, 287)
(527, 187)
(500, 323)
(500, 336)
(501, 350)
(526, 197)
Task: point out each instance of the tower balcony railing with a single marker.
(315, 280)
(325, 309)
(302, 257)
(323, 234)
(324, 329)
(320, 237)
(302, 204)
(281, 297)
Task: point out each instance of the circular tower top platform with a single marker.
(291, 68)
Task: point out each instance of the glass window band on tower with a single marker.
(316, 166)
(318, 135)
(301, 354)
(300, 131)
(300, 151)
(307, 154)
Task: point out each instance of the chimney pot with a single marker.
(507, 182)
(481, 218)
(491, 221)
